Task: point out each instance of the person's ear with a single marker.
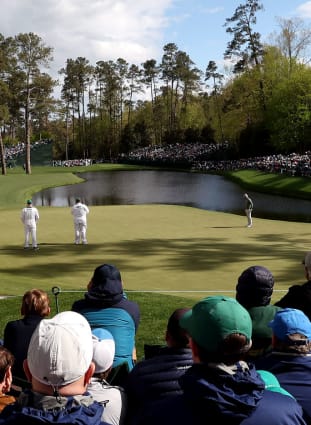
(89, 285)
(26, 370)
(89, 373)
(195, 351)
(7, 382)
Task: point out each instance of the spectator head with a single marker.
(106, 284)
(175, 335)
(6, 363)
(78, 200)
(29, 202)
(59, 358)
(307, 265)
(35, 302)
(255, 287)
(220, 329)
(103, 351)
(291, 330)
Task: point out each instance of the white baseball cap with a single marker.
(103, 349)
(60, 349)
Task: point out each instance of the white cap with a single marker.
(103, 349)
(60, 349)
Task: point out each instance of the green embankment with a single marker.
(278, 184)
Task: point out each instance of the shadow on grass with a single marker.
(141, 255)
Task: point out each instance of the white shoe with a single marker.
(250, 225)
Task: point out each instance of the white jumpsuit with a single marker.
(79, 212)
(30, 217)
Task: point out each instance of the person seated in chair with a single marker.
(17, 333)
(157, 377)
(106, 306)
(59, 367)
(113, 397)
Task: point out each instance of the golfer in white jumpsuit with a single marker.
(79, 212)
(30, 217)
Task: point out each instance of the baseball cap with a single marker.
(307, 260)
(289, 321)
(255, 287)
(272, 383)
(106, 283)
(103, 349)
(214, 318)
(60, 349)
(29, 201)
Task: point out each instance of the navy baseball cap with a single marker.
(106, 283)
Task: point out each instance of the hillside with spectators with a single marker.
(203, 158)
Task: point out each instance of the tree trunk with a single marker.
(27, 135)
(2, 156)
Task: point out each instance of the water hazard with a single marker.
(204, 191)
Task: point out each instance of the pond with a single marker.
(204, 191)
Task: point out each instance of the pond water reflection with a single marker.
(205, 191)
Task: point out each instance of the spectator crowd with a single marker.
(13, 152)
(201, 157)
(238, 360)
(197, 157)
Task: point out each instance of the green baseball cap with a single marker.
(214, 318)
(29, 201)
(272, 383)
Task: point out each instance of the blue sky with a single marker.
(200, 29)
(137, 30)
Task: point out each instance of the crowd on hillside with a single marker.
(198, 157)
(175, 152)
(239, 360)
(13, 152)
(292, 164)
(72, 162)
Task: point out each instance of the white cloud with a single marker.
(304, 10)
(95, 29)
(213, 11)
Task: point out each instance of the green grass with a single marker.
(278, 184)
(159, 249)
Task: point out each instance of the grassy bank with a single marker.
(168, 255)
(277, 184)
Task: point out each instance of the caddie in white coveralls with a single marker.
(79, 212)
(30, 217)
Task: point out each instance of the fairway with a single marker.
(164, 248)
